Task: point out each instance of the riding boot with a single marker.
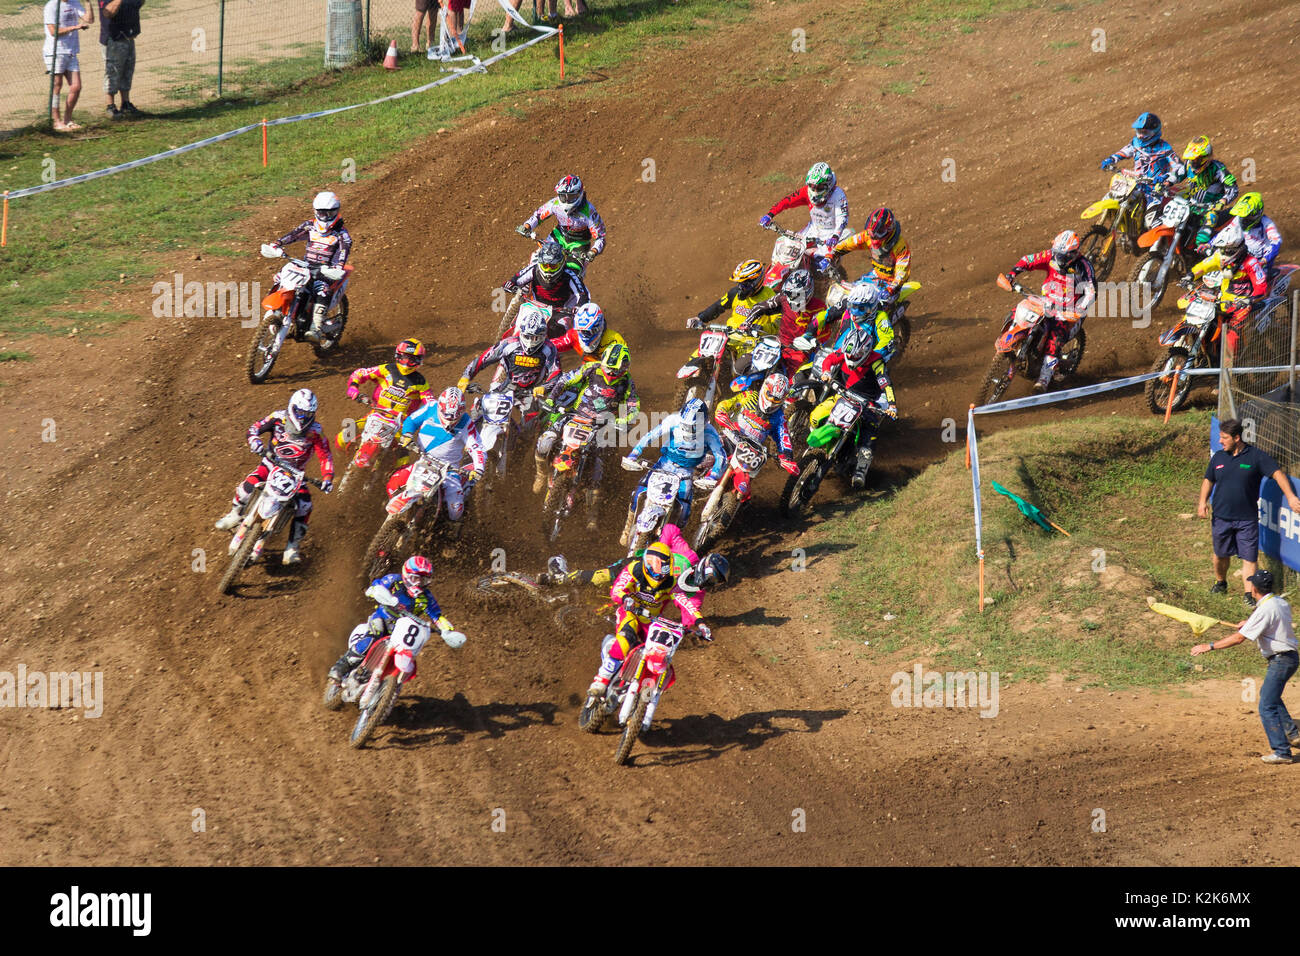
(297, 531)
(593, 504)
(861, 466)
(317, 318)
(1045, 374)
(626, 536)
(539, 481)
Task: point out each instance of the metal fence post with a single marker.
(54, 62)
(367, 28)
(221, 47)
(1290, 392)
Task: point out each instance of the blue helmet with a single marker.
(1148, 129)
(589, 321)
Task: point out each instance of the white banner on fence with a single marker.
(973, 447)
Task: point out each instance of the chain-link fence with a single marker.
(192, 51)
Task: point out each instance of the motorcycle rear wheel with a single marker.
(697, 382)
(388, 542)
(371, 716)
(996, 379)
(257, 372)
(555, 493)
(797, 496)
(708, 533)
(632, 730)
(508, 319)
(333, 696)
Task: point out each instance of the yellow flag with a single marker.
(1198, 622)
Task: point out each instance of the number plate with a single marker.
(664, 633)
(765, 355)
(662, 488)
(748, 456)
(845, 413)
(536, 308)
(712, 344)
(378, 426)
(497, 407)
(293, 276)
(1120, 186)
(1200, 311)
(282, 483)
(1176, 212)
(425, 476)
(410, 635)
(577, 433)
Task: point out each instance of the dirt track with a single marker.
(212, 702)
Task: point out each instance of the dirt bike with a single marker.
(800, 401)
(793, 251)
(558, 321)
(1192, 343)
(1172, 242)
(636, 689)
(838, 425)
(1121, 211)
(376, 696)
(575, 259)
(571, 465)
(659, 502)
(379, 428)
(499, 433)
(412, 512)
(267, 511)
(502, 588)
(720, 345)
(288, 311)
(1019, 347)
(747, 457)
(837, 297)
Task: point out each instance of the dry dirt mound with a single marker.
(212, 702)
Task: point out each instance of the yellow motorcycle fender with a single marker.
(820, 413)
(1100, 206)
(907, 289)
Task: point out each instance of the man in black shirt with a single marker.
(1234, 475)
(119, 26)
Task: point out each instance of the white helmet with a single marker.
(532, 332)
(798, 289)
(1230, 242)
(326, 206)
(301, 411)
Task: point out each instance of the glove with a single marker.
(255, 445)
(790, 465)
(630, 464)
(522, 229)
(629, 603)
(540, 391)
(1185, 282)
(327, 485)
(694, 322)
(381, 595)
(376, 626)
(821, 263)
(892, 411)
(472, 475)
(706, 633)
(462, 383)
(764, 220)
(1107, 164)
(706, 483)
(1202, 235)
(353, 392)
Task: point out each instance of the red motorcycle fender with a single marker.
(1173, 335)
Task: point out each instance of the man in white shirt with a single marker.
(1271, 629)
(64, 21)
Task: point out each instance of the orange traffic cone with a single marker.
(390, 58)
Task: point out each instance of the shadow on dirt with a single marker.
(708, 736)
(437, 721)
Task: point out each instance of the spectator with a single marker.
(574, 9)
(423, 8)
(1269, 626)
(62, 45)
(451, 38)
(1235, 474)
(119, 25)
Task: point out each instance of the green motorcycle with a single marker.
(839, 425)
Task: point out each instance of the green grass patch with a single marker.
(1074, 606)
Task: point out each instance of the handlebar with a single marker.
(786, 233)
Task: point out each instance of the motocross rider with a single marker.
(397, 386)
(589, 337)
(864, 307)
(601, 388)
(857, 365)
(801, 313)
(1069, 290)
(1263, 240)
(690, 437)
(757, 414)
(328, 244)
(828, 210)
(741, 300)
(891, 259)
(546, 280)
(1152, 157)
(577, 224)
(394, 595)
(1205, 180)
(295, 437)
(1245, 280)
(444, 432)
(528, 358)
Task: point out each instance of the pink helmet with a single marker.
(451, 405)
(416, 574)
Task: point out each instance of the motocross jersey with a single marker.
(597, 395)
(568, 342)
(523, 370)
(448, 445)
(296, 450)
(793, 324)
(741, 413)
(583, 225)
(649, 597)
(870, 378)
(394, 390)
(1263, 241)
(1154, 161)
(685, 452)
(568, 292)
(328, 248)
(1073, 291)
(743, 308)
(891, 264)
(828, 221)
(1214, 186)
(1249, 280)
(423, 603)
(835, 320)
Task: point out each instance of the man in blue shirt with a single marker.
(1234, 475)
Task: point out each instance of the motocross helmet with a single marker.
(772, 392)
(1198, 153)
(409, 355)
(656, 562)
(326, 206)
(451, 405)
(798, 289)
(692, 419)
(570, 193)
(550, 263)
(1148, 130)
(863, 301)
(417, 572)
(1065, 250)
(882, 226)
(301, 412)
(1249, 208)
(709, 572)
(748, 276)
(614, 363)
(821, 183)
(859, 343)
(589, 323)
(1230, 243)
(532, 333)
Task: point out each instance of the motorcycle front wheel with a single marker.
(708, 533)
(1158, 389)
(632, 729)
(370, 717)
(797, 496)
(1099, 248)
(996, 379)
(384, 553)
(263, 350)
